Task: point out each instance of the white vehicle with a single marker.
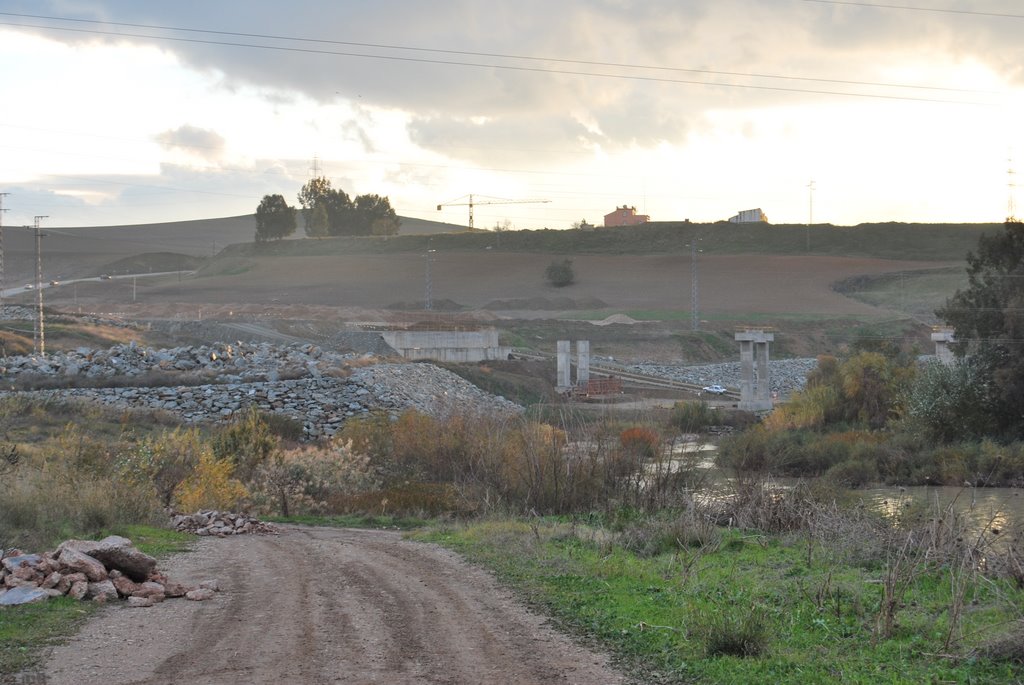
(714, 389)
(29, 286)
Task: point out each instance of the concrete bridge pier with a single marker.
(943, 337)
(755, 387)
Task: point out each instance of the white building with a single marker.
(749, 216)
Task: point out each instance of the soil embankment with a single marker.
(323, 605)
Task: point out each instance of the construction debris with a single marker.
(220, 524)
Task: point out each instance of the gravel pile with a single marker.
(785, 375)
(323, 393)
(238, 362)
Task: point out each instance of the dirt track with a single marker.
(321, 605)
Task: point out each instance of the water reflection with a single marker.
(994, 510)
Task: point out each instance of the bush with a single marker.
(693, 417)
(653, 536)
(311, 480)
(211, 486)
(247, 443)
(738, 631)
(560, 274)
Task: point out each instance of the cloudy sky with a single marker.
(120, 111)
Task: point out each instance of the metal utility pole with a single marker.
(2, 210)
(810, 212)
(428, 294)
(39, 339)
(694, 285)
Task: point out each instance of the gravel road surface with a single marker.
(326, 605)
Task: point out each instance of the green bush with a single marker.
(693, 417)
(560, 273)
(652, 536)
(737, 631)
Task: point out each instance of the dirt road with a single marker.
(322, 605)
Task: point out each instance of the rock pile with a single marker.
(321, 390)
(101, 571)
(228, 363)
(220, 524)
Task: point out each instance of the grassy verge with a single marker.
(689, 615)
(26, 631)
(355, 521)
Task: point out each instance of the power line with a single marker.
(911, 8)
(506, 67)
(499, 55)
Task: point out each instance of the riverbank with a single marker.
(678, 601)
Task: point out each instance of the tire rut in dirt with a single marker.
(321, 605)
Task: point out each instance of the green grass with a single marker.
(918, 293)
(940, 242)
(354, 521)
(157, 542)
(656, 614)
(27, 630)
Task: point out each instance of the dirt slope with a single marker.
(318, 605)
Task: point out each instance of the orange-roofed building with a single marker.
(625, 216)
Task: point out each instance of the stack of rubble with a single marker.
(101, 571)
(220, 523)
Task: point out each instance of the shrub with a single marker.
(247, 443)
(163, 462)
(736, 631)
(853, 474)
(640, 442)
(560, 273)
(653, 536)
(693, 417)
(211, 485)
(307, 480)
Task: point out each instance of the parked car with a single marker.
(714, 389)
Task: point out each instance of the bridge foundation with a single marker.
(755, 389)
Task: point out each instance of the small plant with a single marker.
(739, 631)
(560, 273)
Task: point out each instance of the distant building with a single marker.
(625, 216)
(749, 216)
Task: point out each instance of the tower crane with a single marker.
(491, 201)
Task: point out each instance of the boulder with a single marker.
(78, 589)
(140, 602)
(174, 589)
(199, 594)
(150, 590)
(71, 560)
(115, 552)
(51, 581)
(23, 595)
(125, 586)
(101, 591)
(13, 563)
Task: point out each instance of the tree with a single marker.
(988, 319)
(373, 213)
(274, 218)
(948, 402)
(318, 191)
(317, 226)
(560, 274)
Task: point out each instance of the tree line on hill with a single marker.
(326, 211)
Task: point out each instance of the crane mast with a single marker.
(472, 203)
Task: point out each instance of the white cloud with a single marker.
(199, 142)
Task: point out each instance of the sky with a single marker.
(122, 112)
